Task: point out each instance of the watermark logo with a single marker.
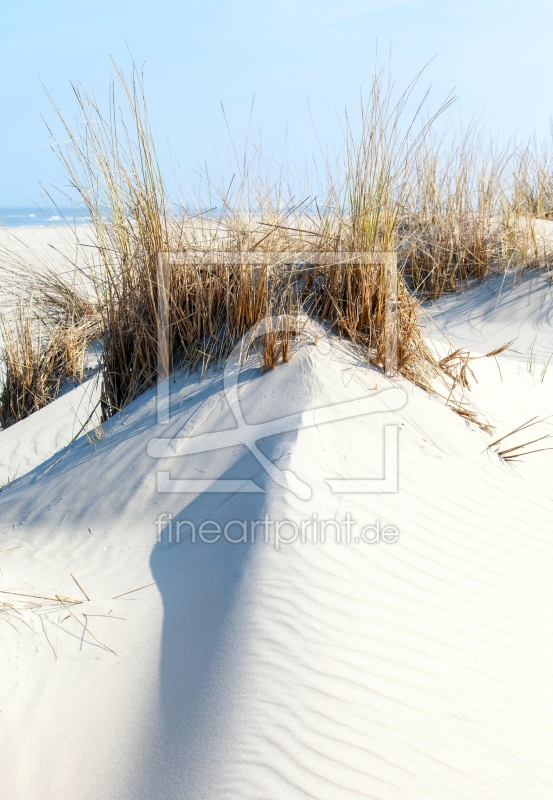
(249, 435)
(278, 532)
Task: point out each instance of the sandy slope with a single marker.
(33, 441)
(267, 668)
(416, 669)
(501, 309)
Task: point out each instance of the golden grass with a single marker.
(518, 451)
(44, 339)
(400, 217)
(263, 254)
(33, 367)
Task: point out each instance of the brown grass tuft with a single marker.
(402, 216)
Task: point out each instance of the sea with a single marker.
(41, 217)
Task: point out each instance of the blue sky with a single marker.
(496, 55)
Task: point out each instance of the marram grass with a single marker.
(400, 217)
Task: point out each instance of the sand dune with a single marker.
(417, 668)
(501, 309)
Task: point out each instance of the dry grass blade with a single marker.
(532, 421)
(45, 338)
(514, 457)
(517, 451)
(84, 627)
(30, 596)
(79, 585)
(498, 350)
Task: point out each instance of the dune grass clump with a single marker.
(533, 178)
(474, 212)
(33, 367)
(452, 226)
(400, 216)
(204, 279)
(48, 321)
(35, 361)
(46, 328)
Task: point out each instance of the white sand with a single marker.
(501, 309)
(26, 445)
(60, 247)
(418, 669)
